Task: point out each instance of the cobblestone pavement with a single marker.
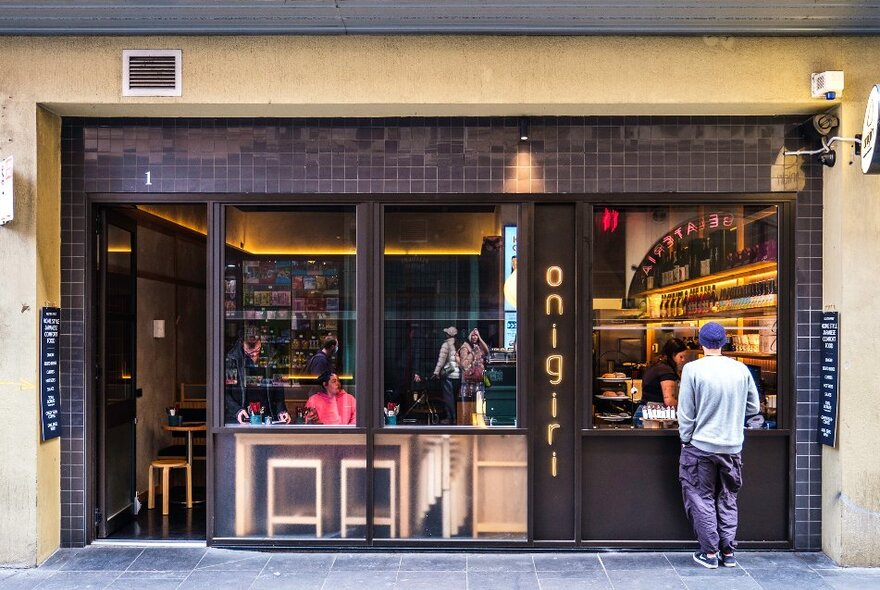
(171, 568)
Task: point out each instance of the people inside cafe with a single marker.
(247, 392)
(332, 404)
(322, 361)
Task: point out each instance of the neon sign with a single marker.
(665, 245)
(554, 362)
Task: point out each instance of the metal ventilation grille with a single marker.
(151, 72)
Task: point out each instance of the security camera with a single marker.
(827, 85)
(828, 158)
(824, 123)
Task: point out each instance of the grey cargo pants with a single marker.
(709, 484)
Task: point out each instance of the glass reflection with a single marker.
(659, 274)
(289, 307)
(294, 486)
(450, 486)
(450, 315)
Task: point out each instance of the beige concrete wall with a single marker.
(345, 76)
(30, 257)
(357, 76)
(851, 471)
(48, 284)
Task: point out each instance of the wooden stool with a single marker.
(273, 518)
(166, 465)
(346, 519)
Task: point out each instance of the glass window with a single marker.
(442, 486)
(450, 315)
(289, 307)
(290, 486)
(659, 274)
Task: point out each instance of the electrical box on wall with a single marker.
(827, 85)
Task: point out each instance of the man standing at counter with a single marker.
(716, 395)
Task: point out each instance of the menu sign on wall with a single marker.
(50, 400)
(829, 377)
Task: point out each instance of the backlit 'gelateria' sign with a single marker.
(685, 231)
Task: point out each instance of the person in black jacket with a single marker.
(322, 361)
(248, 357)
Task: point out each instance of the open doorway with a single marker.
(150, 305)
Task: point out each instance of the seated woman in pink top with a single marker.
(332, 405)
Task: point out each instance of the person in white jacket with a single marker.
(447, 370)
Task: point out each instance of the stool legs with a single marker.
(189, 486)
(151, 492)
(166, 491)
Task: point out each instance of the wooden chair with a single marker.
(166, 465)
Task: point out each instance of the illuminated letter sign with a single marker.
(554, 363)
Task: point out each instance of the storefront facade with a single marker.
(567, 191)
(359, 182)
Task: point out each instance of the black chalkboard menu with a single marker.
(50, 399)
(829, 378)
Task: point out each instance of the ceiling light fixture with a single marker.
(524, 128)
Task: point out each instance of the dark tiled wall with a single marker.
(454, 155)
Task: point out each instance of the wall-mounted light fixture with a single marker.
(524, 128)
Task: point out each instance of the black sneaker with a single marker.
(704, 560)
(727, 559)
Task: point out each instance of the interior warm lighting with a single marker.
(118, 250)
(430, 252)
(313, 378)
(351, 252)
(175, 214)
(299, 252)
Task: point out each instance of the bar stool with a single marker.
(274, 518)
(346, 519)
(166, 465)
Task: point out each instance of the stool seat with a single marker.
(170, 463)
(166, 465)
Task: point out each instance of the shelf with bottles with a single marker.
(728, 297)
(710, 246)
(740, 272)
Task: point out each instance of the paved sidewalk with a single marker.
(102, 566)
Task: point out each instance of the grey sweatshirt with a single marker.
(716, 395)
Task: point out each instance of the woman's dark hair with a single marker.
(671, 348)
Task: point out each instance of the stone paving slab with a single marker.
(198, 568)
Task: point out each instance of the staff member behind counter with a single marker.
(246, 383)
(659, 380)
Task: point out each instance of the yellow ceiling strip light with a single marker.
(352, 252)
